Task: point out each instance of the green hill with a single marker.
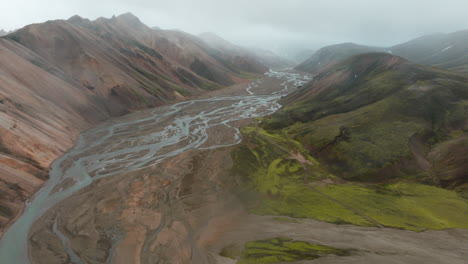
(372, 141)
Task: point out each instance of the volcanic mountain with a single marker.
(447, 51)
(60, 77)
(375, 117)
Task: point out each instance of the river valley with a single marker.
(151, 187)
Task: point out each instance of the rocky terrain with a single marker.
(447, 51)
(65, 76)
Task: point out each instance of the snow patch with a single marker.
(447, 48)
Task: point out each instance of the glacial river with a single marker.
(114, 148)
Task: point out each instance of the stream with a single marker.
(115, 147)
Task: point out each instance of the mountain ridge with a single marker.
(444, 50)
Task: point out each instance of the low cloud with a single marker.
(272, 24)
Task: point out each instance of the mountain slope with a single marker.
(177, 47)
(371, 142)
(377, 116)
(236, 55)
(448, 51)
(41, 114)
(271, 59)
(330, 55)
(60, 77)
(105, 63)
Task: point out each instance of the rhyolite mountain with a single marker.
(449, 51)
(375, 140)
(60, 77)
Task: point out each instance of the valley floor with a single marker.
(156, 187)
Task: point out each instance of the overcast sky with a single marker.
(272, 24)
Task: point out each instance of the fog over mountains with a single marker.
(277, 25)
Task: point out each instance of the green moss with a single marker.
(285, 250)
(275, 184)
(404, 205)
(410, 206)
(248, 76)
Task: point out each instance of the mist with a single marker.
(280, 26)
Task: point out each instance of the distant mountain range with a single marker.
(265, 57)
(60, 77)
(449, 51)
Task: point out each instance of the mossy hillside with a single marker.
(450, 161)
(418, 207)
(355, 147)
(265, 158)
(345, 98)
(285, 250)
(361, 127)
(275, 184)
(368, 78)
(405, 205)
